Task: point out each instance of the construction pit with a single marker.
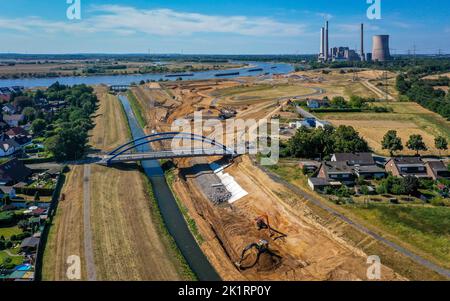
(301, 249)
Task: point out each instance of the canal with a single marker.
(172, 216)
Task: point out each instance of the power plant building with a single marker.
(380, 51)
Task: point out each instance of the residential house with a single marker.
(363, 164)
(407, 166)
(30, 244)
(13, 120)
(307, 122)
(322, 124)
(13, 171)
(337, 172)
(317, 103)
(17, 131)
(437, 170)
(309, 165)
(8, 147)
(318, 184)
(9, 109)
(7, 191)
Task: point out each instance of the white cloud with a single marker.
(326, 16)
(127, 20)
(355, 27)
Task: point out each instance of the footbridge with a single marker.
(140, 149)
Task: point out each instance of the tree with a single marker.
(411, 185)
(392, 142)
(441, 143)
(29, 114)
(38, 126)
(416, 143)
(338, 102)
(37, 198)
(21, 102)
(347, 140)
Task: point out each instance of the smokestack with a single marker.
(322, 43)
(363, 55)
(326, 42)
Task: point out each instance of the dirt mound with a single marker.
(268, 262)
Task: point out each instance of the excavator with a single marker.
(262, 246)
(262, 222)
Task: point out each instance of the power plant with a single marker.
(380, 51)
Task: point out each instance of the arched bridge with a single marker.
(139, 149)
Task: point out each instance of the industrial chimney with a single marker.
(363, 55)
(322, 44)
(380, 51)
(326, 42)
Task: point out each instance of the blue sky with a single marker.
(217, 26)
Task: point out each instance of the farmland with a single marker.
(127, 235)
(407, 118)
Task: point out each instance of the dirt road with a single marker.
(88, 249)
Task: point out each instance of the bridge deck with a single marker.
(159, 155)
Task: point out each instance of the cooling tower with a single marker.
(380, 51)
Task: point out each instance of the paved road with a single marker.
(381, 94)
(88, 250)
(442, 271)
(304, 113)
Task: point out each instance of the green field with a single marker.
(16, 260)
(8, 232)
(427, 228)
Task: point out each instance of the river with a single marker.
(271, 68)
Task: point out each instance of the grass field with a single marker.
(423, 229)
(427, 228)
(16, 260)
(407, 118)
(137, 109)
(9, 231)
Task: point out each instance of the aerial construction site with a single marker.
(249, 225)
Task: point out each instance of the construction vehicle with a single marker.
(262, 246)
(262, 222)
